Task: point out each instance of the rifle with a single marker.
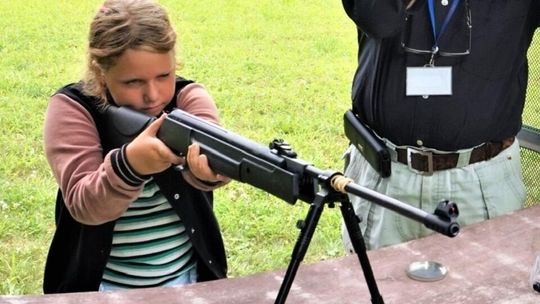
(276, 170)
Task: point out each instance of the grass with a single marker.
(277, 69)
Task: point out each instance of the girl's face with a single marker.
(142, 80)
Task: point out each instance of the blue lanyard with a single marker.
(437, 35)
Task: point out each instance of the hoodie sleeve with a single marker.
(96, 189)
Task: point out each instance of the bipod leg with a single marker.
(357, 240)
(307, 228)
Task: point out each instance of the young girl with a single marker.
(129, 217)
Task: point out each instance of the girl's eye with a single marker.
(132, 82)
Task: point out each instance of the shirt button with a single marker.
(192, 230)
(419, 142)
(176, 196)
(209, 261)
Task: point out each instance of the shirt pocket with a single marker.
(497, 43)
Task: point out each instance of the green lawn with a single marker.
(277, 69)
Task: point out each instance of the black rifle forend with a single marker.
(273, 169)
(233, 155)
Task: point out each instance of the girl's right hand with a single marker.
(147, 154)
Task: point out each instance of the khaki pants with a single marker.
(481, 190)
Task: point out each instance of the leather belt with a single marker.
(428, 161)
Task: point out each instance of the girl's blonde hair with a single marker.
(120, 25)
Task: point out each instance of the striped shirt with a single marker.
(150, 245)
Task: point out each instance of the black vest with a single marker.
(78, 253)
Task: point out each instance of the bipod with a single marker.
(327, 195)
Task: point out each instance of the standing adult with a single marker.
(442, 83)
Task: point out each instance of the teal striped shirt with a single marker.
(150, 245)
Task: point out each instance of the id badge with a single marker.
(429, 80)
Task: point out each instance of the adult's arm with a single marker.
(378, 18)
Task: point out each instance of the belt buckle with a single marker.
(428, 154)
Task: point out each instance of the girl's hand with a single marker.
(147, 154)
(198, 165)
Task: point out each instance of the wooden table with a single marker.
(488, 262)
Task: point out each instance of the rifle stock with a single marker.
(123, 124)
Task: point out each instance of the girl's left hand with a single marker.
(198, 165)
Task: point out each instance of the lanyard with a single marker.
(449, 15)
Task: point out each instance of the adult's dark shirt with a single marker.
(489, 84)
